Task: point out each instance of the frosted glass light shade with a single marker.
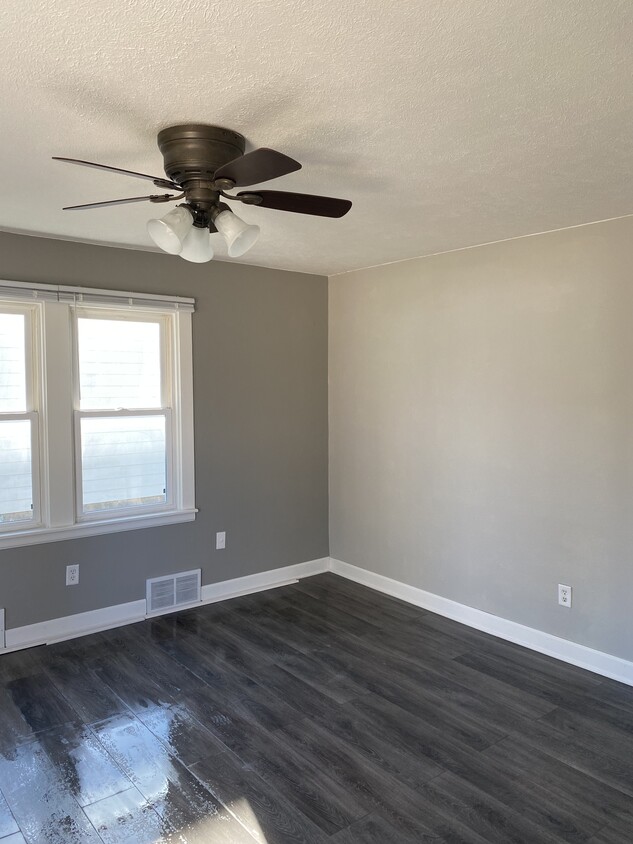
(239, 235)
(170, 231)
(197, 246)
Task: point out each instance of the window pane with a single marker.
(123, 462)
(16, 485)
(12, 364)
(119, 364)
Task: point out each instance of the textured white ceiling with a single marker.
(447, 123)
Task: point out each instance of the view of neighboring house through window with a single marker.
(17, 418)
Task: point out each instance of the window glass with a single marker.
(12, 363)
(16, 477)
(123, 462)
(119, 364)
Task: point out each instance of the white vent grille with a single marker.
(173, 591)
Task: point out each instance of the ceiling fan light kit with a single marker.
(202, 164)
(197, 246)
(170, 231)
(239, 235)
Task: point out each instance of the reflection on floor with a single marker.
(313, 713)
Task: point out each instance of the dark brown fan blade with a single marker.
(158, 181)
(300, 203)
(161, 198)
(261, 165)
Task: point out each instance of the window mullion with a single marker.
(57, 447)
(182, 405)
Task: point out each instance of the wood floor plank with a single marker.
(90, 697)
(409, 768)
(592, 733)
(498, 781)
(471, 727)
(261, 809)
(39, 703)
(8, 825)
(335, 618)
(568, 786)
(302, 697)
(42, 796)
(556, 692)
(617, 773)
(323, 711)
(372, 785)
(373, 829)
(326, 802)
(356, 603)
(181, 734)
(134, 687)
(16, 838)
(126, 818)
(208, 660)
(185, 806)
(233, 695)
(483, 814)
(609, 835)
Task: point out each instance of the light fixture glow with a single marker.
(239, 235)
(197, 246)
(170, 231)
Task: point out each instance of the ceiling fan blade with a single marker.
(300, 203)
(161, 198)
(158, 181)
(261, 165)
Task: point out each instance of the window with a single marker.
(96, 416)
(19, 496)
(124, 414)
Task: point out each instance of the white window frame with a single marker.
(54, 373)
(31, 414)
(166, 331)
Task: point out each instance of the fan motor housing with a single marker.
(192, 152)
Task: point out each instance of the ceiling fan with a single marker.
(202, 164)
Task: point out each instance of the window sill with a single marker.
(38, 536)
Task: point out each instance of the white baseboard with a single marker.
(264, 580)
(107, 618)
(81, 624)
(580, 655)
(71, 626)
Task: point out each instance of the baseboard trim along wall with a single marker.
(107, 618)
(601, 663)
(71, 626)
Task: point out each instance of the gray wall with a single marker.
(481, 428)
(260, 391)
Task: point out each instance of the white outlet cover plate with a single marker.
(564, 595)
(220, 540)
(72, 575)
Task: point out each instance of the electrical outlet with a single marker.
(220, 540)
(72, 575)
(564, 595)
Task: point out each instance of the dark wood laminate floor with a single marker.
(321, 712)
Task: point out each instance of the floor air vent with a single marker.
(173, 591)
